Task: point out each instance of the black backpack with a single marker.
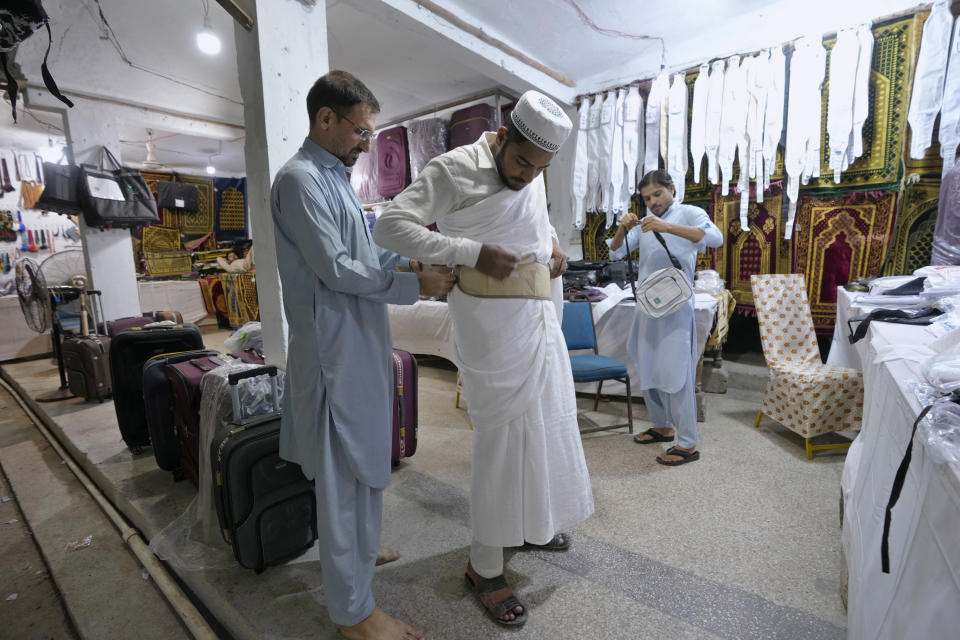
(18, 20)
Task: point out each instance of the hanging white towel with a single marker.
(803, 116)
(843, 74)
(773, 120)
(818, 69)
(677, 134)
(615, 183)
(757, 80)
(861, 92)
(733, 120)
(580, 162)
(950, 113)
(698, 118)
(632, 131)
(711, 134)
(927, 96)
(605, 141)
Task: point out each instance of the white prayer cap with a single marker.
(541, 121)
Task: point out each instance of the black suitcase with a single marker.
(129, 351)
(158, 407)
(86, 361)
(265, 505)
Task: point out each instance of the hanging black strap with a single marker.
(13, 89)
(45, 72)
(898, 481)
(673, 260)
(923, 316)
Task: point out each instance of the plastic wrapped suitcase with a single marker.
(184, 378)
(158, 405)
(86, 359)
(129, 351)
(405, 380)
(393, 161)
(466, 125)
(265, 505)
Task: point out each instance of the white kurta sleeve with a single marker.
(843, 73)
(698, 118)
(615, 183)
(593, 155)
(711, 132)
(632, 108)
(651, 157)
(927, 95)
(607, 122)
(950, 114)
(579, 182)
(677, 134)
(861, 91)
(733, 120)
(773, 121)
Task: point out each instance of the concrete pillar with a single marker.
(278, 61)
(108, 254)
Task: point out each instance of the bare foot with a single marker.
(381, 626)
(386, 554)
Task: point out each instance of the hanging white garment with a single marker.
(664, 122)
(818, 75)
(950, 112)
(927, 95)
(861, 91)
(615, 183)
(605, 140)
(757, 82)
(773, 120)
(651, 156)
(632, 131)
(711, 132)
(593, 155)
(677, 134)
(580, 162)
(698, 119)
(745, 156)
(802, 116)
(843, 75)
(733, 120)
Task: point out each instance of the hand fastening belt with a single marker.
(532, 280)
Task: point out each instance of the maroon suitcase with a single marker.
(185, 380)
(393, 161)
(405, 381)
(466, 125)
(122, 324)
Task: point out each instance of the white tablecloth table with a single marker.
(920, 598)
(17, 340)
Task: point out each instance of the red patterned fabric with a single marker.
(837, 240)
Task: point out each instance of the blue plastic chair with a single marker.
(580, 334)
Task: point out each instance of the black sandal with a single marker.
(655, 436)
(488, 589)
(685, 457)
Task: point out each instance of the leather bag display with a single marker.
(112, 196)
(178, 196)
(61, 189)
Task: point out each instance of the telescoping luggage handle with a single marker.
(234, 378)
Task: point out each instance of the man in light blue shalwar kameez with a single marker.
(337, 401)
(664, 350)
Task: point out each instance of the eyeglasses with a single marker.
(364, 134)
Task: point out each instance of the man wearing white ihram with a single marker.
(529, 477)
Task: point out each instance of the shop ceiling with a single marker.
(413, 55)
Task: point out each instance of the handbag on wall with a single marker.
(112, 196)
(665, 290)
(61, 189)
(178, 196)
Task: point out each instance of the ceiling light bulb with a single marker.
(211, 169)
(207, 40)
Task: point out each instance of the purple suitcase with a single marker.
(185, 380)
(466, 125)
(404, 405)
(393, 161)
(122, 324)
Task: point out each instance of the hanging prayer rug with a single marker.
(913, 239)
(837, 240)
(202, 220)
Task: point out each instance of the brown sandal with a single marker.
(497, 598)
